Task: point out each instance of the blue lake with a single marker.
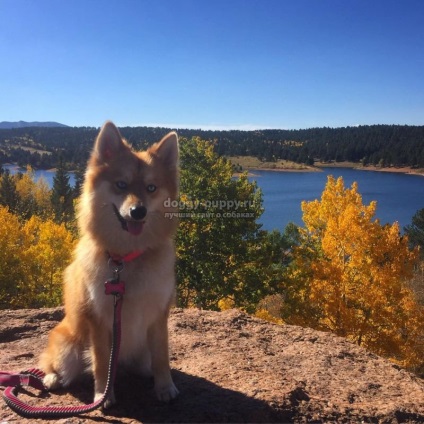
(398, 196)
(47, 175)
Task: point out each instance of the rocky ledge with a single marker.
(232, 368)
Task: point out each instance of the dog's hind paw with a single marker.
(52, 381)
(165, 394)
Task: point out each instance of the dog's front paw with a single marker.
(52, 381)
(166, 393)
(109, 402)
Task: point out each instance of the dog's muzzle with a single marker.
(135, 225)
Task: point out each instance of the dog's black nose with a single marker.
(138, 212)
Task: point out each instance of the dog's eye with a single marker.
(122, 185)
(151, 188)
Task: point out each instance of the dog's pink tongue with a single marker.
(135, 227)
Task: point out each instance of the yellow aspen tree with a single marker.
(11, 245)
(33, 256)
(48, 250)
(42, 195)
(354, 276)
(25, 187)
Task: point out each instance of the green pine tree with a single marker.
(79, 180)
(62, 196)
(8, 194)
(221, 252)
(415, 231)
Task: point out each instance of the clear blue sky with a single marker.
(213, 63)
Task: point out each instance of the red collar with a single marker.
(129, 257)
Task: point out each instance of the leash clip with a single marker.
(116, 266)
(114, 285)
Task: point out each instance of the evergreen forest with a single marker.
(383, 145)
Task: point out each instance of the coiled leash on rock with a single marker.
(34, 377)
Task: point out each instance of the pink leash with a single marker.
(34, 377)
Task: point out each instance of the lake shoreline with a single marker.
(401, 170)
(251, 163)
(253, 174)
(318, 167)
(352, 165)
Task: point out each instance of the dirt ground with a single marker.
(232, 368)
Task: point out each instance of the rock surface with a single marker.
(230, 367)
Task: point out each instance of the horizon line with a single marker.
(213, 126)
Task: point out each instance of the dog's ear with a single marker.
(109, 143)
(167, 150)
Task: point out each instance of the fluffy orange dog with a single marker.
(121, 211)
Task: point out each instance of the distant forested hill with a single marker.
(395, 145)
(377, 144)
(24, 124)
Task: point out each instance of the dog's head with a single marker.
(127, 196)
